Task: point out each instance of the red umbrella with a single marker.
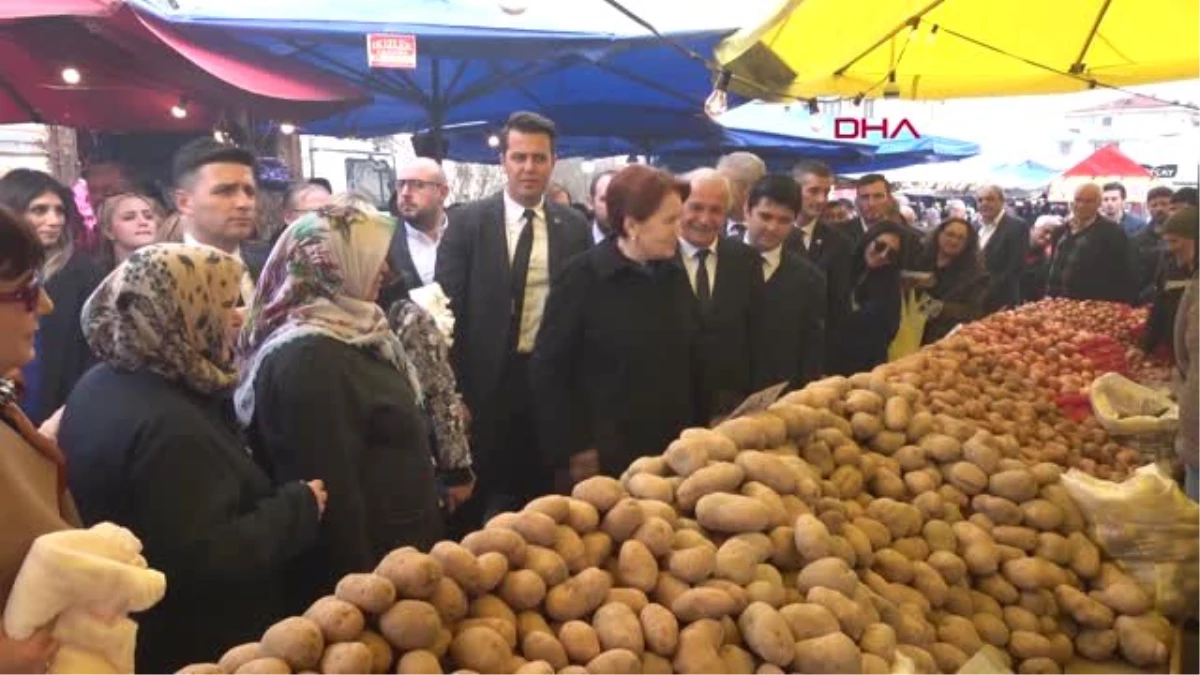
(100, 65)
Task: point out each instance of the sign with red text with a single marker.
(861, 128)
(387, 50)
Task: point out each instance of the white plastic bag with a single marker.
(1151, 528)
(1126, 408)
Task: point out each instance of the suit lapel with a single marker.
(818, 243)
(556, 241)
(494, 240)
(401, 257)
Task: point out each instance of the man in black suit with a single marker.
(496, 262)
(1004, 240)
(421, 192)
(215, 193)
(873, 200)
(1091, 259)
(726, 280)
(789, 337)
(827, 247)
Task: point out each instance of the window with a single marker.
(1064, 147)
(1106, 121)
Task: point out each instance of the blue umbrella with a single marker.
(474, 62)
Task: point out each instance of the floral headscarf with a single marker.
(166, 309)
(316, 283)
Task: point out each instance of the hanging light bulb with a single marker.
(287, 128)
(814, 107)
(71, 75)
(913, 27)
(932, 37)
(493, 141)
(179, 110)
(513, 7)
(718, 101)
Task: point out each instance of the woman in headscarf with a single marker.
(327, 390)
(153, 447)
(67, 275)
(33, 498)
(960, 280)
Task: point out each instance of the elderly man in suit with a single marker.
(1091, 260)
(1004, 240)
(496, 262)
(421, 191)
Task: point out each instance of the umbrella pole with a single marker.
(437, 113)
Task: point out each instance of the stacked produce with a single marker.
(857, 524)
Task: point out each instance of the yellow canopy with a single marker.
(959, 48)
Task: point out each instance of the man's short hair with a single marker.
(322, 183)
(994, 189)
(871, 179)
(596, 182)
(811, 167)
(1185, 195)
(204, 151)
(1114, 186)
(527, 123)
(1159, 192)
(745, 167)
(776, 187)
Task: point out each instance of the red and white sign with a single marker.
(388, 50)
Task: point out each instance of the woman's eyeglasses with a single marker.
(881, 248)
(28, 296)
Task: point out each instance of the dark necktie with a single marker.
(703, 286)
(520, 269)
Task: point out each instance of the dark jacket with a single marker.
(1004, 257)
(961, 287)
(873, 321)
(1150, 254)
(1033, 277)
(400, 258)
(614, 364)
(255, 255)
(324, 409)
(831, 251)
(1093, 264)
(474, 270)
(789, 338)
(727, 326)
(1168, 291)
(169, 464)
(63, 355)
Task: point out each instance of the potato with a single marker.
(535, 668)
(493, 566)
(340, 621)
(296, 640)
(833, 653)
(719, 448)
(1039, 665)
(941, 448)
(893, 566)
(828, 572)
(948, 657)
(861, 400)
(557, 507)
(264, 666)
(602, 492)
(686, 457)
(967, 477)
(979, 551)
(721, 512)
(381, 651)
(668, 589)
(496, 540)
(702, 603)
(961, 633)
(852, 616)
(1087, 612)
(887, 442)
(930, 583)
(1085, 559)
(1024, 538)
(1000, 510)
(578, 596)
(959, 601)
(579, 640)
(1124, 597)
(618, 627)
(660, 629)
(522, 589)
(811, 538)
(920, 426)
(582, 517)
(923, 661)
(1145, 640)
(623, 519)
(201, 669)
(716, 477)
(655, 534)
(1097, 645)
(1042, 514)
(653, 664)
(1029, 645)
(767, 634)
(743, 431)
(347, 657)
(236, 657)
(991, 629)
(978, 451)
(617, 661)
(647, 486)
(902, 520)
(874, 665)
(1017, 485)
(951, 567)
(414, 574)
(879, 639)
(597, 548)
(481, 649)
(547, 564)
(411, 624)
(897, 413)
(768, 469)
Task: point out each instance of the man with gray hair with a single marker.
(956, 208)
(1004, 241)
(742, 169)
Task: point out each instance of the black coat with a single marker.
(727, 327)
(1004, 257)
(168, 463)
(962, 289)
(405, 270)
(1094, 264)
(613, 367)
(63, 355)
(1150, 255)
(789, 340)
(324, 409)
(873, 321)
(255, 255)
(832, 251)
(474, 270)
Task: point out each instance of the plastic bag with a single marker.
(912, 327)
(1151, 528)
(1125, 408)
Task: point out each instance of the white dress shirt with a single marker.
(597, 234)
(537, 283)
(771, 261)
(808, 231)
(691, 263)
(423, 249)
(986, 230)
(247, 280)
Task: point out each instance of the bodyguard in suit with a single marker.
(789, 336)
(421, 192)
(873, 199)
(726, 280)
(825, 246)
(496, 262)
(1004, 240)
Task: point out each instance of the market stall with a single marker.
(912, 519)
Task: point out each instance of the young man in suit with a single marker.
(726, 280)
(825, 246)
(1004, 240)
(873, 200)
(496, 262)
(421, 192)
(789, 337)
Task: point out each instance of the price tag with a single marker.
(759, 401)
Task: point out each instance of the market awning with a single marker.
(1108, 161)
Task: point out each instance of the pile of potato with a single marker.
(850, 528)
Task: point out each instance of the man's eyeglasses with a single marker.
(416, 184)
(28, 296)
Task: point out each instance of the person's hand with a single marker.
(318, 490)
(49, 428)
(584, 465)
(32, 655)
(457, 495)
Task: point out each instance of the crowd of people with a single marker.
(270, 410)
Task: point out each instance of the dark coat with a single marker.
(614, 364)
(831, 250)
(727, 327)
(63, 355)
(789, 339)
(474, 270)
(1004, 257)
(255, 255)
(962, 288)
(1094, 264)
(873, 321)
(403, 268)
(1150, 254)
(324, 409)
(168, 463)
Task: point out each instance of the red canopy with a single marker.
(1108, 161)
(134, 69)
